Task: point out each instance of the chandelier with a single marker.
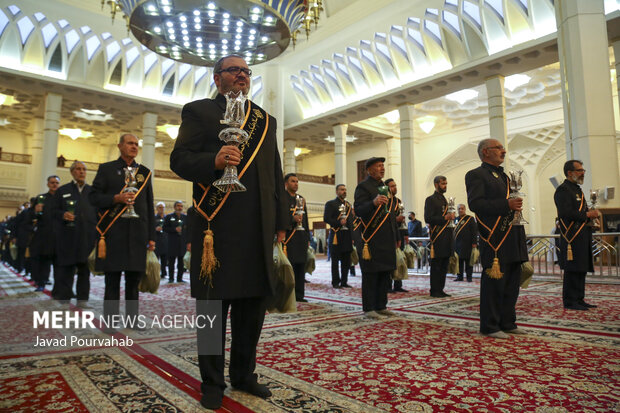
(200, 32)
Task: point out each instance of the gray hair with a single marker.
(482, 145)
(122, 138)
(160, 204)
(218, 65)
(74, 164)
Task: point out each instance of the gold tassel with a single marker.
(432, 251)
(335, 239)
(27, 253)
(569, 253)
(209, 262)
(494, 272)
(101, 251)
(285, 250)
(366, 252)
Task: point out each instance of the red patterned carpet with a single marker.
(327, 357)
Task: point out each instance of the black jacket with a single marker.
(43, 241)
(465, 235)
(74, 242)
(441, 238)
(383, 244)
(161, 238)
(246, 224)
(176, 241)
(127, 239)
(297, 245)
(332, 215)
(572, 208)
(487, 196)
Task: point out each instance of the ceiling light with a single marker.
(92, 115)
(392, 116)
(297, 151)
(427, 123)
(171, 130)
(150, 20)
(350, 138)
(514, 81)
(75, 133)
(462, 96)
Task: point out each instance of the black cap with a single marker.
(372, 161)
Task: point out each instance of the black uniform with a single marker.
(42, 244)
(465, 236)
(572, 209)
(161, 244)
(296, 243)
(74, 240)
(127, 239)
(394, 204)
(441, 240)
(243, 227)
(487, 195)
(340, 252)
(176, 243)
(376, 272)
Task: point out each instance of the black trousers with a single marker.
(398, 284)
(498, 299)
(246, 322)
(374, 290)
(20, 262)
(64, 281)
(180, 268)
(300, 285)
(41, 266)
(464, 265)
(163, 264)
(340, 277)
(439, 268)
(573, 288)
(112, 294)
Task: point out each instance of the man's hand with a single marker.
(179, 229)
(380, 200)
(400, 218)
(281, 235)
(474, 245)
(516, 204)
(124, 198)
(151, 246)
(343, 222)
(593, 213)
(449, 217)
(189, 246)
(158, 229)
(297, 218)
(38, 208)
(68, 216)
(397, 244)
(228, 155)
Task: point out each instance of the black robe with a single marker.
(465, 235)
(176, 241)
(332, 216)
(383, 244)
(245, 226)
(442, 238)
(43, 242)
(297, 245)
(568, 201)
(127, 239)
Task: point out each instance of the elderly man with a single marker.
(237, 228)
(502, 245)
(575, 236)
(377, 238)
(75, 222)
(123, 241)
(338, 213)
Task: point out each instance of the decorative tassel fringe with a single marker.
(27, 253)
(101, 251)
(209, 262)
(432, 251)
(285, 250)
(335, 239)
(569, 253)
(366, 252)
(494, 272)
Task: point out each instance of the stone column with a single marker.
(616, 45)
(273, 102)
(36, 178)
(497, 112)
(340, 153)
(392, 162)
(53, 105)
(290, 164)
(407, 184)
(586, 92)
(149, 125)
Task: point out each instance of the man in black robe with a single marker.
(161, 239)
(438, 218)
(465, 239)
(403, 233)
(376, 239)
(502, 245)
(124, 240)
(574, 217)
(338, 213)
(75, 222)
(297, 240)
(241, 226)
(42, 244)
(174, 227)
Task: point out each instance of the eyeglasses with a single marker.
(235, 70)
(500, 147)
(580, 170)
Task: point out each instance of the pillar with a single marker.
(497, 112)
(392, 166)
(273, 102)
(36, 152)
(149, 125)
(51, 124)
(340, 153)
(586, 92)
(407, 184)
(616, 46)
(290, 165)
